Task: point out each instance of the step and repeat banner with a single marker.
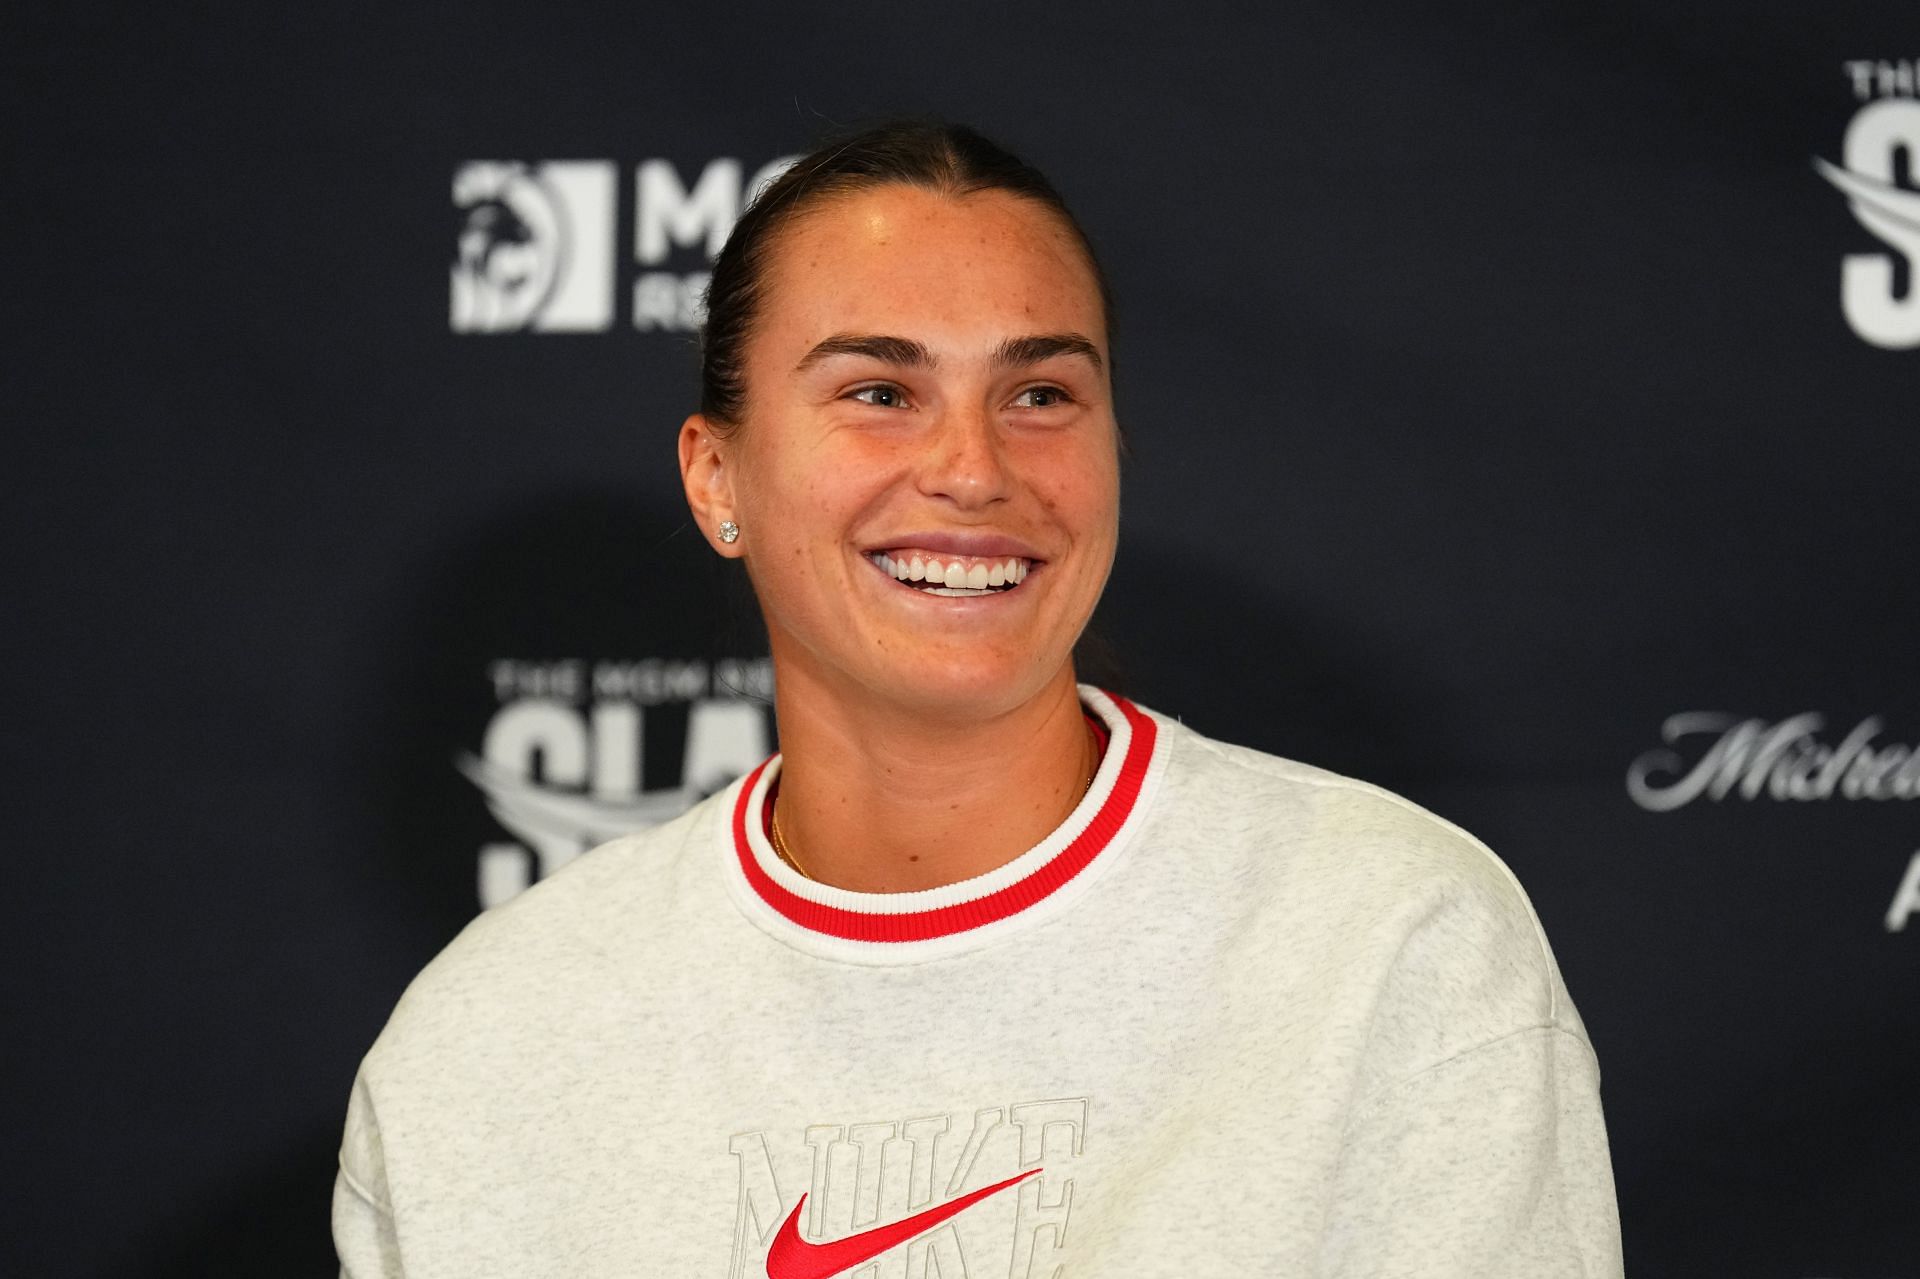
(1521, 405)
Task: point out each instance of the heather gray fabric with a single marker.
(1283, 1024)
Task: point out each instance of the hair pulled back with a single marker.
(948, 158)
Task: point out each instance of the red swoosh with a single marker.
(792, 1257)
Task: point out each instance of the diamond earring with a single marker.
(729, 531)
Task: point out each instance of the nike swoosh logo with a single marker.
(792, 1257)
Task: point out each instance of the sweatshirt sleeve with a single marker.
(1491, 1163)
(363, 1232)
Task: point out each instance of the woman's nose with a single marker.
(966, 459)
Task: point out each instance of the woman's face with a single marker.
(927, 397)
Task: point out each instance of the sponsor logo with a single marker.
(894, 1195)
(535, 248)
(1752, 759)
(581, 752)
(1906, 898)
(672, 219)
(792, 1257)
(1713, 756)
(1879, 174)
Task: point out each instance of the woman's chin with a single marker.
(969, 684)
(930, 665)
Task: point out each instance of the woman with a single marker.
(987, 973)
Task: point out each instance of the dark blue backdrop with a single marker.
(1494, 396)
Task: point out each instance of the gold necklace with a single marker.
(785, 854)
(780, 845)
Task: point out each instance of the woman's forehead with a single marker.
(900, 255)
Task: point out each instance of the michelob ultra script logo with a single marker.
(564, 763)
(535, 243)
(1714, 756)
(1879, 174)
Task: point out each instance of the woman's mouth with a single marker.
(954, 576)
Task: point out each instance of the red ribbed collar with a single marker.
(882, 924)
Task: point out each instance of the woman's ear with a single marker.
(708, 482)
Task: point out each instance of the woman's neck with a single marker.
(889, 799)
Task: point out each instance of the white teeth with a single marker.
(954, 578)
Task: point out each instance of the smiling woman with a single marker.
(985, 965)
(924, 382)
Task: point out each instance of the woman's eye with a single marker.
(1040, 397)
(883, 396)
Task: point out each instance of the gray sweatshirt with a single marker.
(1236, 1016)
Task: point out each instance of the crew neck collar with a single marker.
(888, 928)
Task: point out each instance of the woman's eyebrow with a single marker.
(904, 352)
(1019, 352)
(908, 353)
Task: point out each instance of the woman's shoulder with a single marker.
(1271, 798)
(575, 930)
(1353, 869)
